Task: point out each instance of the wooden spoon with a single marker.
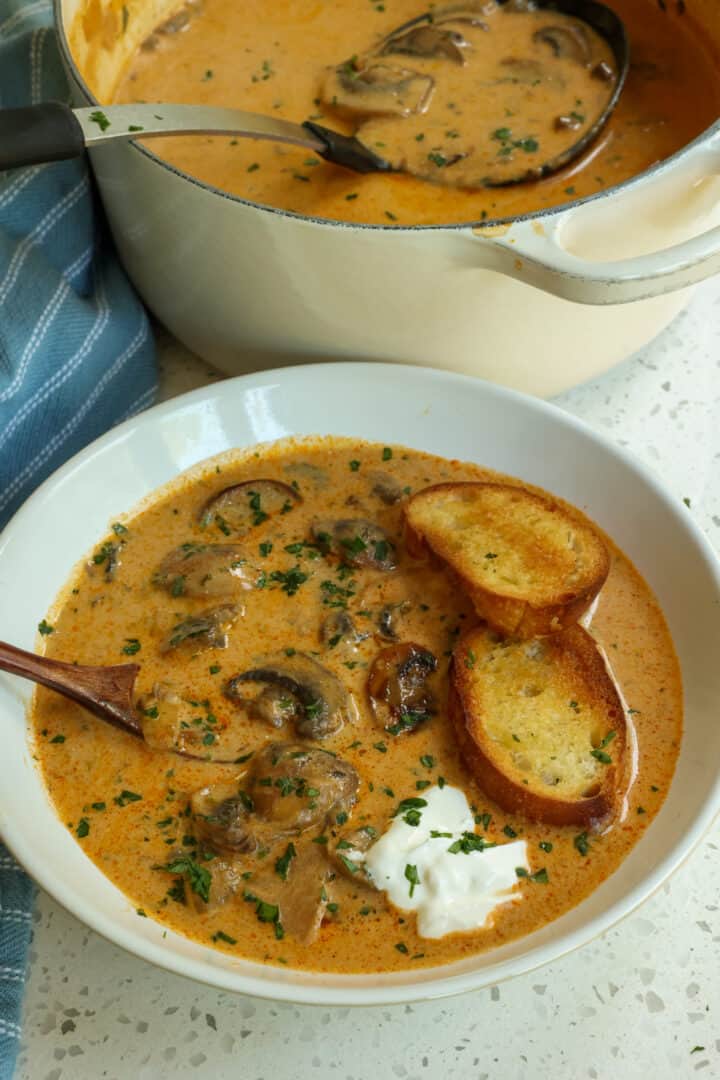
(106, 692)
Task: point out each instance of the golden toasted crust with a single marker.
(540, 724)
(530, 565)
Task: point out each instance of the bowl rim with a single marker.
(346, 990)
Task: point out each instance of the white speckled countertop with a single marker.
(645, 998)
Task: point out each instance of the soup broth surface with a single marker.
(275, 58)
(127, 803)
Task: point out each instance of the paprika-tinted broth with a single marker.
(126, 803)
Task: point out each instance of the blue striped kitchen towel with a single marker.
(76, 357)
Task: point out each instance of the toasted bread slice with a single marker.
(540, 724)
(530, 565)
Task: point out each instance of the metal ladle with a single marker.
(54, 132)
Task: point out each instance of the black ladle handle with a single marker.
(39, 133)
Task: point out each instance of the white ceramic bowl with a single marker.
(446, 414)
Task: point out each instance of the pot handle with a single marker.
(533, 252)
(34, 134)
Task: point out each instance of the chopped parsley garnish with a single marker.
(509, 831)
(290, 580)
(58, 739)
(198, 878)
(402, 947)
(387, 453)
(341, 818)
(45, 628)
(413, 803)
(83, 827)
(265, 549)
(411, 875)
(131, 646)
(420, 785)
(428, 761)
(354, 466)
(98, 805)
(545, 845)
(126, 797)
(540, 876)
(581, 843)
(98, 117)
(349, 864)
(282, 864)
(220, 935)
(381, 747)
(468, 842)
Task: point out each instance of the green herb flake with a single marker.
(83, 828)
(45, 628)
(509, 831)
(545, 845)
(131, 646)
(98, 117)
(428, 761)
(354, 466)
(198, 877)
(411, 875)
(126, 797)
(402, 948)
(582, 843)
(282, 864)
(387, 453)
(58, 739)
(220, 935)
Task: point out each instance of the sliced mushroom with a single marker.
(302, 896)
(239, 508)
(357, 542)
(389, 620)
(205, 570)
(430, 42)
(309, 473)
(522, 70)
(339, 627)
(397, 687)
(377, 90)
(568, 42)
(106, 560)
(208, 630)
(295, 787)
(321, 703)
(348, 852)
(386, 487)
(222, 818)
(273, 706)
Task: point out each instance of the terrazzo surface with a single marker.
(643, 998)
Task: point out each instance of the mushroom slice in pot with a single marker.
(205, 570)
(377, 90)
(429, 42)
(207, 630)
(322, 704)
(397, 687)
(568, 42)
(239, 508)
(295, 787)
(357, 542)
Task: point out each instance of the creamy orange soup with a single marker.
(128, 803)
(275, 59)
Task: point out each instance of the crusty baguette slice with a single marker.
(540, 724)
(529, 564)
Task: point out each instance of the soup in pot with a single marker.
(484, 97)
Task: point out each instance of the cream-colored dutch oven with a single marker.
(539, 303)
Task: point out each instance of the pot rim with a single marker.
(659, 169)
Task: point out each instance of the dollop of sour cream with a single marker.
(437, 869)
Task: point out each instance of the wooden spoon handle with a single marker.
(106, 692)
